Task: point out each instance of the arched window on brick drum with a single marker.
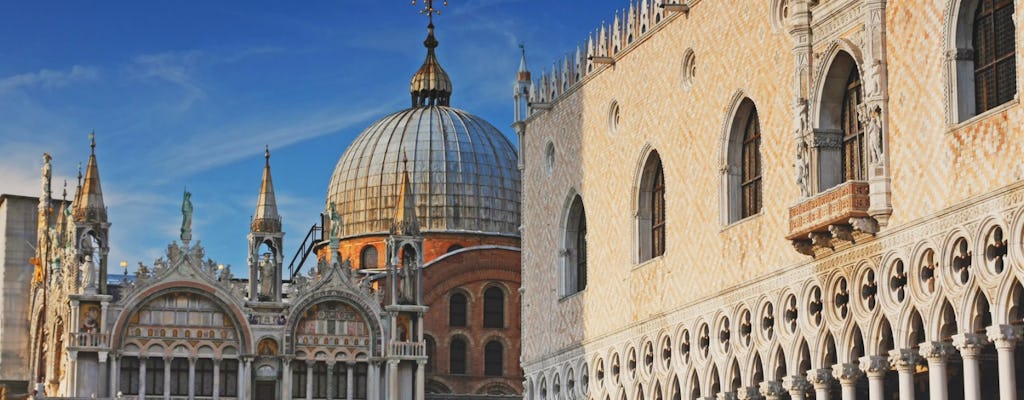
(431, 353)
(494, 308)
(493, 358)
(368, 257)
(995, 69)
(457, 304)
(651, 209)
(457, 357)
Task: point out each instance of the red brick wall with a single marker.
(473, 272)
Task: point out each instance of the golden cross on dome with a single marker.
(429, 10)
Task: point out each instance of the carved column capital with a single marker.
(795, 383)
(970, 344)
(771, 389)
(820, 378)
(904, 359)
(874, 366)
(748, 393)
(847, 374)
(1004, 336)
(936, 352)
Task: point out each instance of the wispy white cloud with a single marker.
(48, 78)
(173, 67)
(224, 145)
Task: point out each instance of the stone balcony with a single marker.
(407, 349)
(89, 341)
(834, 214)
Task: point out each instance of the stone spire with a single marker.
(405, 223)
(430, 86)
(89, 203)
(522, 74)
(266, 218)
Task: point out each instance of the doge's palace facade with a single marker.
(777, 199)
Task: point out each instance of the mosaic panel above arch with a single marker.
(177, 318)
(332, 323)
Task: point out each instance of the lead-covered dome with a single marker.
(462, 169)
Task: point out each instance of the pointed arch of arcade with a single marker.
(210, 293)
(317, 297)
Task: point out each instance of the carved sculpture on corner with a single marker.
(870, 116)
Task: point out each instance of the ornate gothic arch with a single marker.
(323, 296)
(140, 299)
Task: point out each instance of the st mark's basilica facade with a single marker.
(413, 293)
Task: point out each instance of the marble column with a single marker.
(822, 381)
(243, 378)
(330, 380)
(971, 346)
(393, 380)
(216, 379)
(192, 377)
(937, 353)
(115, 372)
(875, 367)
(247, 392)
(142, 377)
(796, 385)
(373, 381)
(167, 377)
(350, 386)
(847, 375)
(905, 363)
(421, 365)
(1005, 337)
(286, 378)
(309, 379)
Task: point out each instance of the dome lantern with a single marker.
(430, 85)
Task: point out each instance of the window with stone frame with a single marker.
(575, 263)
(457, 357)
(658, 213)
(493, 358)
(129, 379)
(359, 380)
(854, 167)
(179, 377)
(340, 376)
(995, 69)
(368, 258)
(494, 308)
(651, 212)
(229, 378)
(299, 372)
(204, 377)
(431, 345)
(750, 168)
(320, 380)
(457, 305)
(155, 375)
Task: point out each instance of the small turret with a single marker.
(92, 230)
(265, 229)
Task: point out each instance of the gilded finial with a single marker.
(79, 173)
(266, 154)
(92, 140)
(65, 194)
(405, 161)
(429, 10)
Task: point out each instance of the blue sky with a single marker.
(187, 93)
